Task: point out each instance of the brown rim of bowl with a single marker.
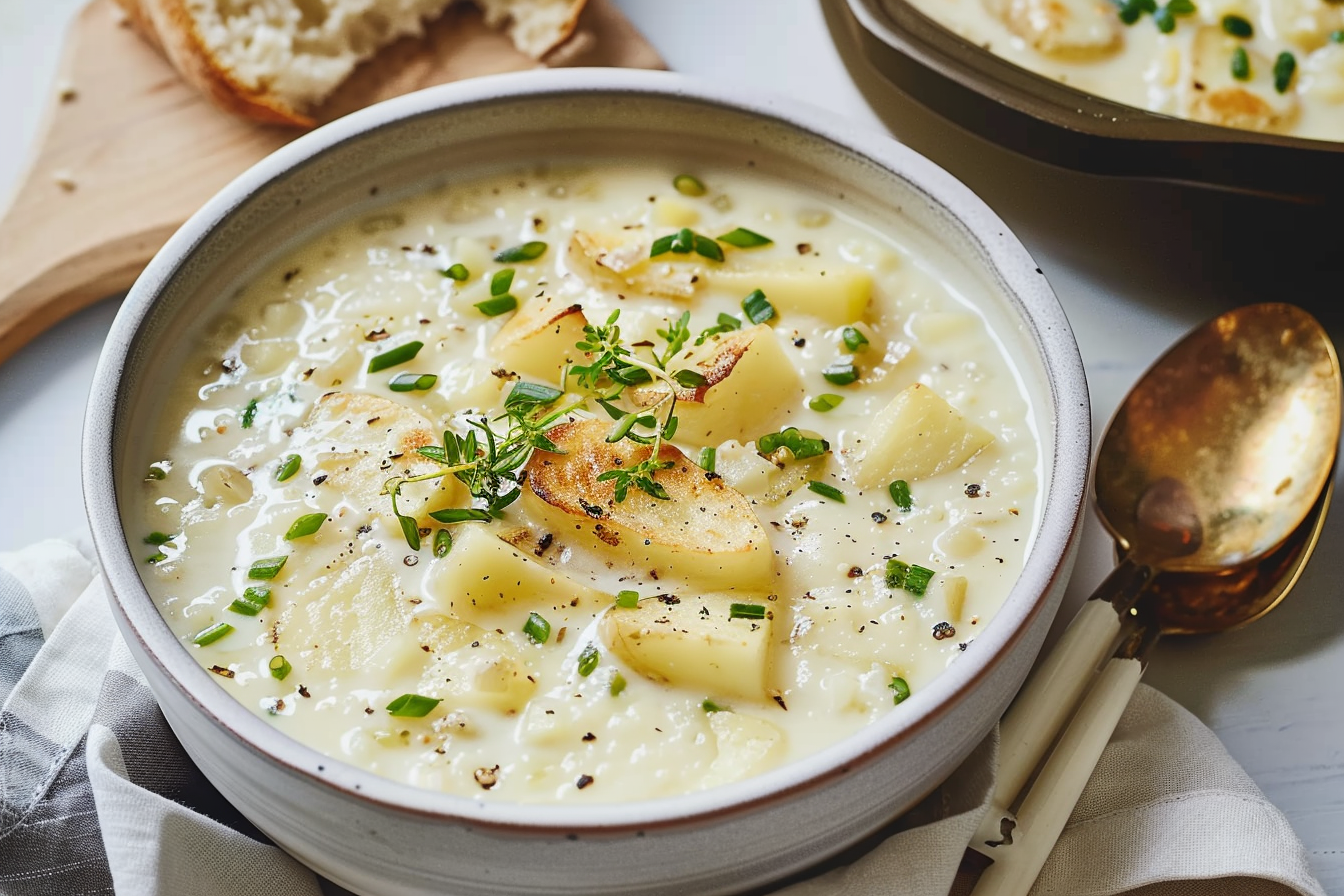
(1025, 290)
(1043, 119)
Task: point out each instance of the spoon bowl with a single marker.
(1226, 443)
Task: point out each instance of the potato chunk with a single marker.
(621, 261)
(917, 435)
(693, 644)
(539, 340)
(473, 666)
(356, 442)
(483, 573)
(745, 744)
(749, 385)
(1071, 29)
(837, 294)
(339, 622)
(706, 533)
(1214, 96)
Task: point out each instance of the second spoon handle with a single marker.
(1052, 692)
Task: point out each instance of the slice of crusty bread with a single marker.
(275, 60)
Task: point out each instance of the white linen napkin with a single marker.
(97, 797)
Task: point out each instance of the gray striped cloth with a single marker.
(97, 797)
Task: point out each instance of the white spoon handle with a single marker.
(1054, 794)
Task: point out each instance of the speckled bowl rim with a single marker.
(1028, 293)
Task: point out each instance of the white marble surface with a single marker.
(1134, 266)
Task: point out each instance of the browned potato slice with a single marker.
(621, 261)
(917, 435)
(706, 533)
(356, 442)
(539, 340)
(750, 384)
(1073, 29)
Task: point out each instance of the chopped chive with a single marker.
(399, 355)
(825, 402)
(707, 248)
(457, 272)
(288, 467)
(497, 305)
(709, 705)
(842, 373)
(826, 491)
(757, 307)
(746, 611)
(305, 525)
(501, 281)
(617, 684)
(266, 569)
(1237, 26)
(901, 688)
(1182, 7)
(156, 557)
(900, 495)
(413, 382)
(627, 599)
(253, 601)
(1241, 64)
(531, 393)
(537, 628)
(917, 580)
(280, 667)
(158, 538)
(460, 515)
(1284, 67)
(688, 185)
(1165, 20)
(689, 379)
(897, 570)
(799, 445)
(662, 245)
(156, 472)
(249, 414)
(743, 238)
(683, 241)
(853, 338)
(588, 660)
(443, 543)
(412, 706)
(529, 251)
(211, 634)
(707, 458)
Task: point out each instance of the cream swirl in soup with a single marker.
(602, 483)
(1275, 66)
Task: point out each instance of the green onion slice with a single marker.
(211, 634)
(627, 599)
(708, 456)
(588, 660)
(746, 611)
(413, 382)
(897, 570)
(253, 601)
(707, 248)
(1241, 64)
(853, 338)
(412, 706)
(841, 373)
(826, 491)
(709, 705)
(497, 305)
(900, 495)
(743, 238)
(662, 245)
(1237, 26)
(537, 628)
(1284, 67)
(288, 467)
(399, 355)
(457, 272)
(757, 307)
(501, 281)
(305, 525)
(799, 445)
(158, 538)
(901, 688)
(266, 569)
(280, 667)
(688, 185)
(529, 251)
(917, 580)
(617, 684)
(825, 402)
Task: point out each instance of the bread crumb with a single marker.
(65, 180)
(66, 91)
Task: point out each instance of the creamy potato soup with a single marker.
(1275, 66)
(597, 484)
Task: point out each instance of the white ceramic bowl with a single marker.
(375, 836)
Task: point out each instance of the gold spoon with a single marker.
(1212, 462)
(1175, 603)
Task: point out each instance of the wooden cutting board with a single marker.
(128, 151)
